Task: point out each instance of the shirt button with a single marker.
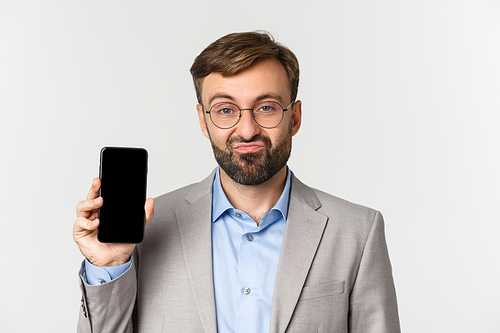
(246, 290)
(102, 281)
(249, 238)
(238, 215)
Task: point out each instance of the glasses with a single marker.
(225, 115)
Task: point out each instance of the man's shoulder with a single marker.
(187, 193)
(177, 194)
(332, 205)
(166, 207)
(328, 200)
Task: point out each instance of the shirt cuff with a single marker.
(95, 275)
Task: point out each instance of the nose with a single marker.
(246, 127)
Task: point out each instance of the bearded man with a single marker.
(250, 248)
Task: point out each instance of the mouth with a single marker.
(248, 147)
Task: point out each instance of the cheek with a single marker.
(283, 132)
(218, 136)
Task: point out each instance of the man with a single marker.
(250, 248)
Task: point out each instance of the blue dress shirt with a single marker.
(245, 260)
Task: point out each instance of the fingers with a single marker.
(86, 207)
(94, 189)
(149, 208)
(93, 202)
(84, 227)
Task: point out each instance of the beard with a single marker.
(254, 168)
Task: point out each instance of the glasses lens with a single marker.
(268, 114)
(224, 115)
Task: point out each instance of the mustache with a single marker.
(257, 138)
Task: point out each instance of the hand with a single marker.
(85, 231)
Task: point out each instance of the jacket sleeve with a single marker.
(108, 308)
(373, 304)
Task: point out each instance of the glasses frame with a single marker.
(253, 114)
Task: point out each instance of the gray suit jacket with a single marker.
(334, 273)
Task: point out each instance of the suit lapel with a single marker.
(194, 220)
(303, 233)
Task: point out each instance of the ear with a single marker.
(296, 117)
(201, 118)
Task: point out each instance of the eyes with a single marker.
(267, 114)
(226, 111)
(231, 110)
(265, 108)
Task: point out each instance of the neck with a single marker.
(255, 200)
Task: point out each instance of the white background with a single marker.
(400, 113)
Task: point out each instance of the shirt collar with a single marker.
(220, 203)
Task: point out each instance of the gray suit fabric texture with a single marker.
(334, 273)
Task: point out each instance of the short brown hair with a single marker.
(237, 51)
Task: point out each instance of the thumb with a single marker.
(149, 208)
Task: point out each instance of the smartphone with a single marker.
(123, 173)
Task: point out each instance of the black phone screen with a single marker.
(123, 174)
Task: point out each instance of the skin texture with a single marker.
(247, 145)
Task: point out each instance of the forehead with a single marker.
(265, 78)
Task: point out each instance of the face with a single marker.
(248, 153)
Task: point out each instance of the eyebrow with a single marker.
(258, 99)
(270, 96)
(221, 96)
